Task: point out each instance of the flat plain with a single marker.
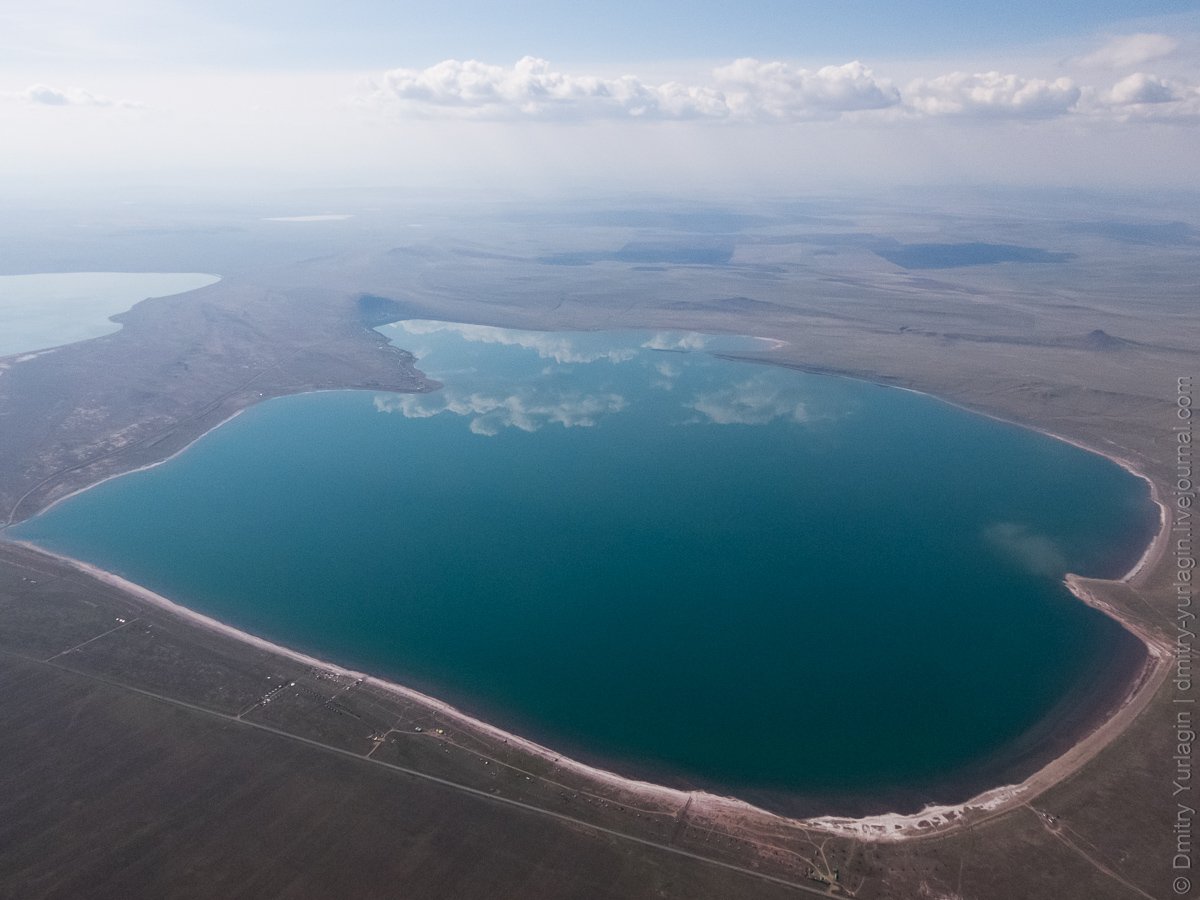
(155, 755)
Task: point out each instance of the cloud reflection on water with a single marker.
(547, 345)
(669, 341)
(755, 401)
(490, 414)
(491, 382)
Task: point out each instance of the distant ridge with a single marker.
(1097, 340)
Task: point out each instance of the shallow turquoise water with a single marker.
(49, 310)
(712, 571)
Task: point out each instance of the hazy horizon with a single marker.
(670, 97)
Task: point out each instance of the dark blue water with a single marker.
(713, 572)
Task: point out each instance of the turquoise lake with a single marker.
(56, 308)
(706, 571)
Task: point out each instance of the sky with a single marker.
(780, 97)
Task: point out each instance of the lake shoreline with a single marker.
(1114, 714)
(892, 826)
(110, 295)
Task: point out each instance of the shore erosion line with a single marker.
(12, 520)
(933, 819)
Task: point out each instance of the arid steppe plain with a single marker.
(139, 758)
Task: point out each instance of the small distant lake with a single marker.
(49, 310)
(951, 256)
(676, 565)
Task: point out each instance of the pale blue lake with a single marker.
(49, 310)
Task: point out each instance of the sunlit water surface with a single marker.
(709, 571)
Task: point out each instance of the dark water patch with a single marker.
(950, 256)
(374, 310)
(708, 220)
(1163, 234)
(650, 252)
(712, 254)
(923, 256)
(1096, 340)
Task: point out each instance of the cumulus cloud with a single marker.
(753, 402)
(1142, 96)
(547, 345)
(490, 413)
(1131, 50)
(776, 90)
(991, 94)
(1142, 88)
(532, 89)
(745, 89)
(45, 95)
(752, 90)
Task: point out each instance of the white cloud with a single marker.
(753, 402)
(1141, 96)
(776, 90)
(1131, 50)
(992, 95)
(490, 414)
(531, 89)
(753, 91)
(294, 126)
(1142, 88)
(745, 89)
(45, 95)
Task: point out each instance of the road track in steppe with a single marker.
(1104, 870)
(477, 792)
